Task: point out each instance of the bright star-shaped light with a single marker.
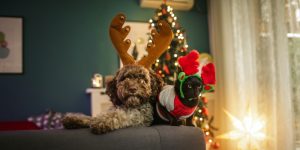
(248, 131)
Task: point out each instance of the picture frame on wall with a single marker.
(139, 35)
(11, 45)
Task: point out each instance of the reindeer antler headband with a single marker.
(161, 41)
(190, 67)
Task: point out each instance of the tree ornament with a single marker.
(164, 11)
(216, 145)
(204, 100)
(166, 69)
(205, 111)
(168, 56)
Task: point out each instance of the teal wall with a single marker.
(65, 42)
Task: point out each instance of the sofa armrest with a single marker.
(138, 138)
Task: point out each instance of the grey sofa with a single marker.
(138, 138)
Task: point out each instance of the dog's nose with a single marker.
(132, 89)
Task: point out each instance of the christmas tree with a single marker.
(201, 116)
(166, 65)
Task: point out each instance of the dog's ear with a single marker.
(111, 91)
(156, 85)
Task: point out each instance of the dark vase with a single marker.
(4, 52)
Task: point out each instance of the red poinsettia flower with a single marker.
(208, 74)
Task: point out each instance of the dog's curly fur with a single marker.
(132, 91)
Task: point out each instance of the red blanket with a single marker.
(18, 125)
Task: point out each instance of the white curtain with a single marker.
(294, 49)
(293, 22)
(250, 47)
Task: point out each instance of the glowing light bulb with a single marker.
(207, 133)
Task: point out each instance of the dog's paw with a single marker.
(75, 121)
(100, 125)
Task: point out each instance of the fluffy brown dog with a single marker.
(133, 88)
(132, 91)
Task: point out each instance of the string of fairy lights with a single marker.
(203, 121)
(166, 65)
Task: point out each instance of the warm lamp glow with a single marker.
(248, 131)
(97, 81)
